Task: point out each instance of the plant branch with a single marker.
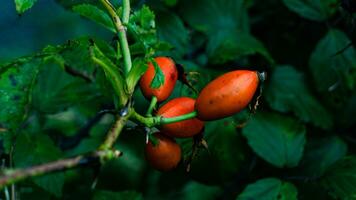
(12, 176)
(114, 132)
(121, 30)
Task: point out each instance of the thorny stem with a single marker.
(12, 176)
(121, 30)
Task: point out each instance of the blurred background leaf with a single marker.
(277, 139)
(313, 9)
(269, 189)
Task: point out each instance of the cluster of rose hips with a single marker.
(222, 97)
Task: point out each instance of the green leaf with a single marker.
(194, 190)
(159, 78)
(269, 189)
(69, 4)
(215, 15)
(227, 29)
(139, 67)
(56, 90)
(42, 151)
(97, 15)
(142, 27)
(225, 156)
(170, 28)
(76, 55)
(227, 45)
(112, 73)
(320, 154)
(16, 81)
(330, 70)
(313, 9)
(6, 140)
(23, 5)
(287, 92)
(105, 195)
(277, 139)
(340, 179)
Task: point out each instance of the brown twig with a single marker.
(12, 176)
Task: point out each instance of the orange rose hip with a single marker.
(226, 95)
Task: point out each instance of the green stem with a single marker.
(147, 121)
(179, 118)
(152, 106)
(159, 120)
(121, 30)
(126, 11)
(114, 133)
(125, 51)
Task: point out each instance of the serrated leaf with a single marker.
(159, 78)
(95, 14)
(144, 17)
(225, 155)
(287, 92)
(112, 73)
(23, 5)
(16, 81)
(76, 55)
(142, 27)
(42, 151)
(277, 139)
(56, 90)
(320, 154)
(139, 67)
(269, 189)
(105, 195)
(313, 9)
(340, 179)
(330, 70)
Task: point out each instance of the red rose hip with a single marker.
(165, 155)
(170, 73)
(176, 107)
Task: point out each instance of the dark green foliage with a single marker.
(298, 145)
